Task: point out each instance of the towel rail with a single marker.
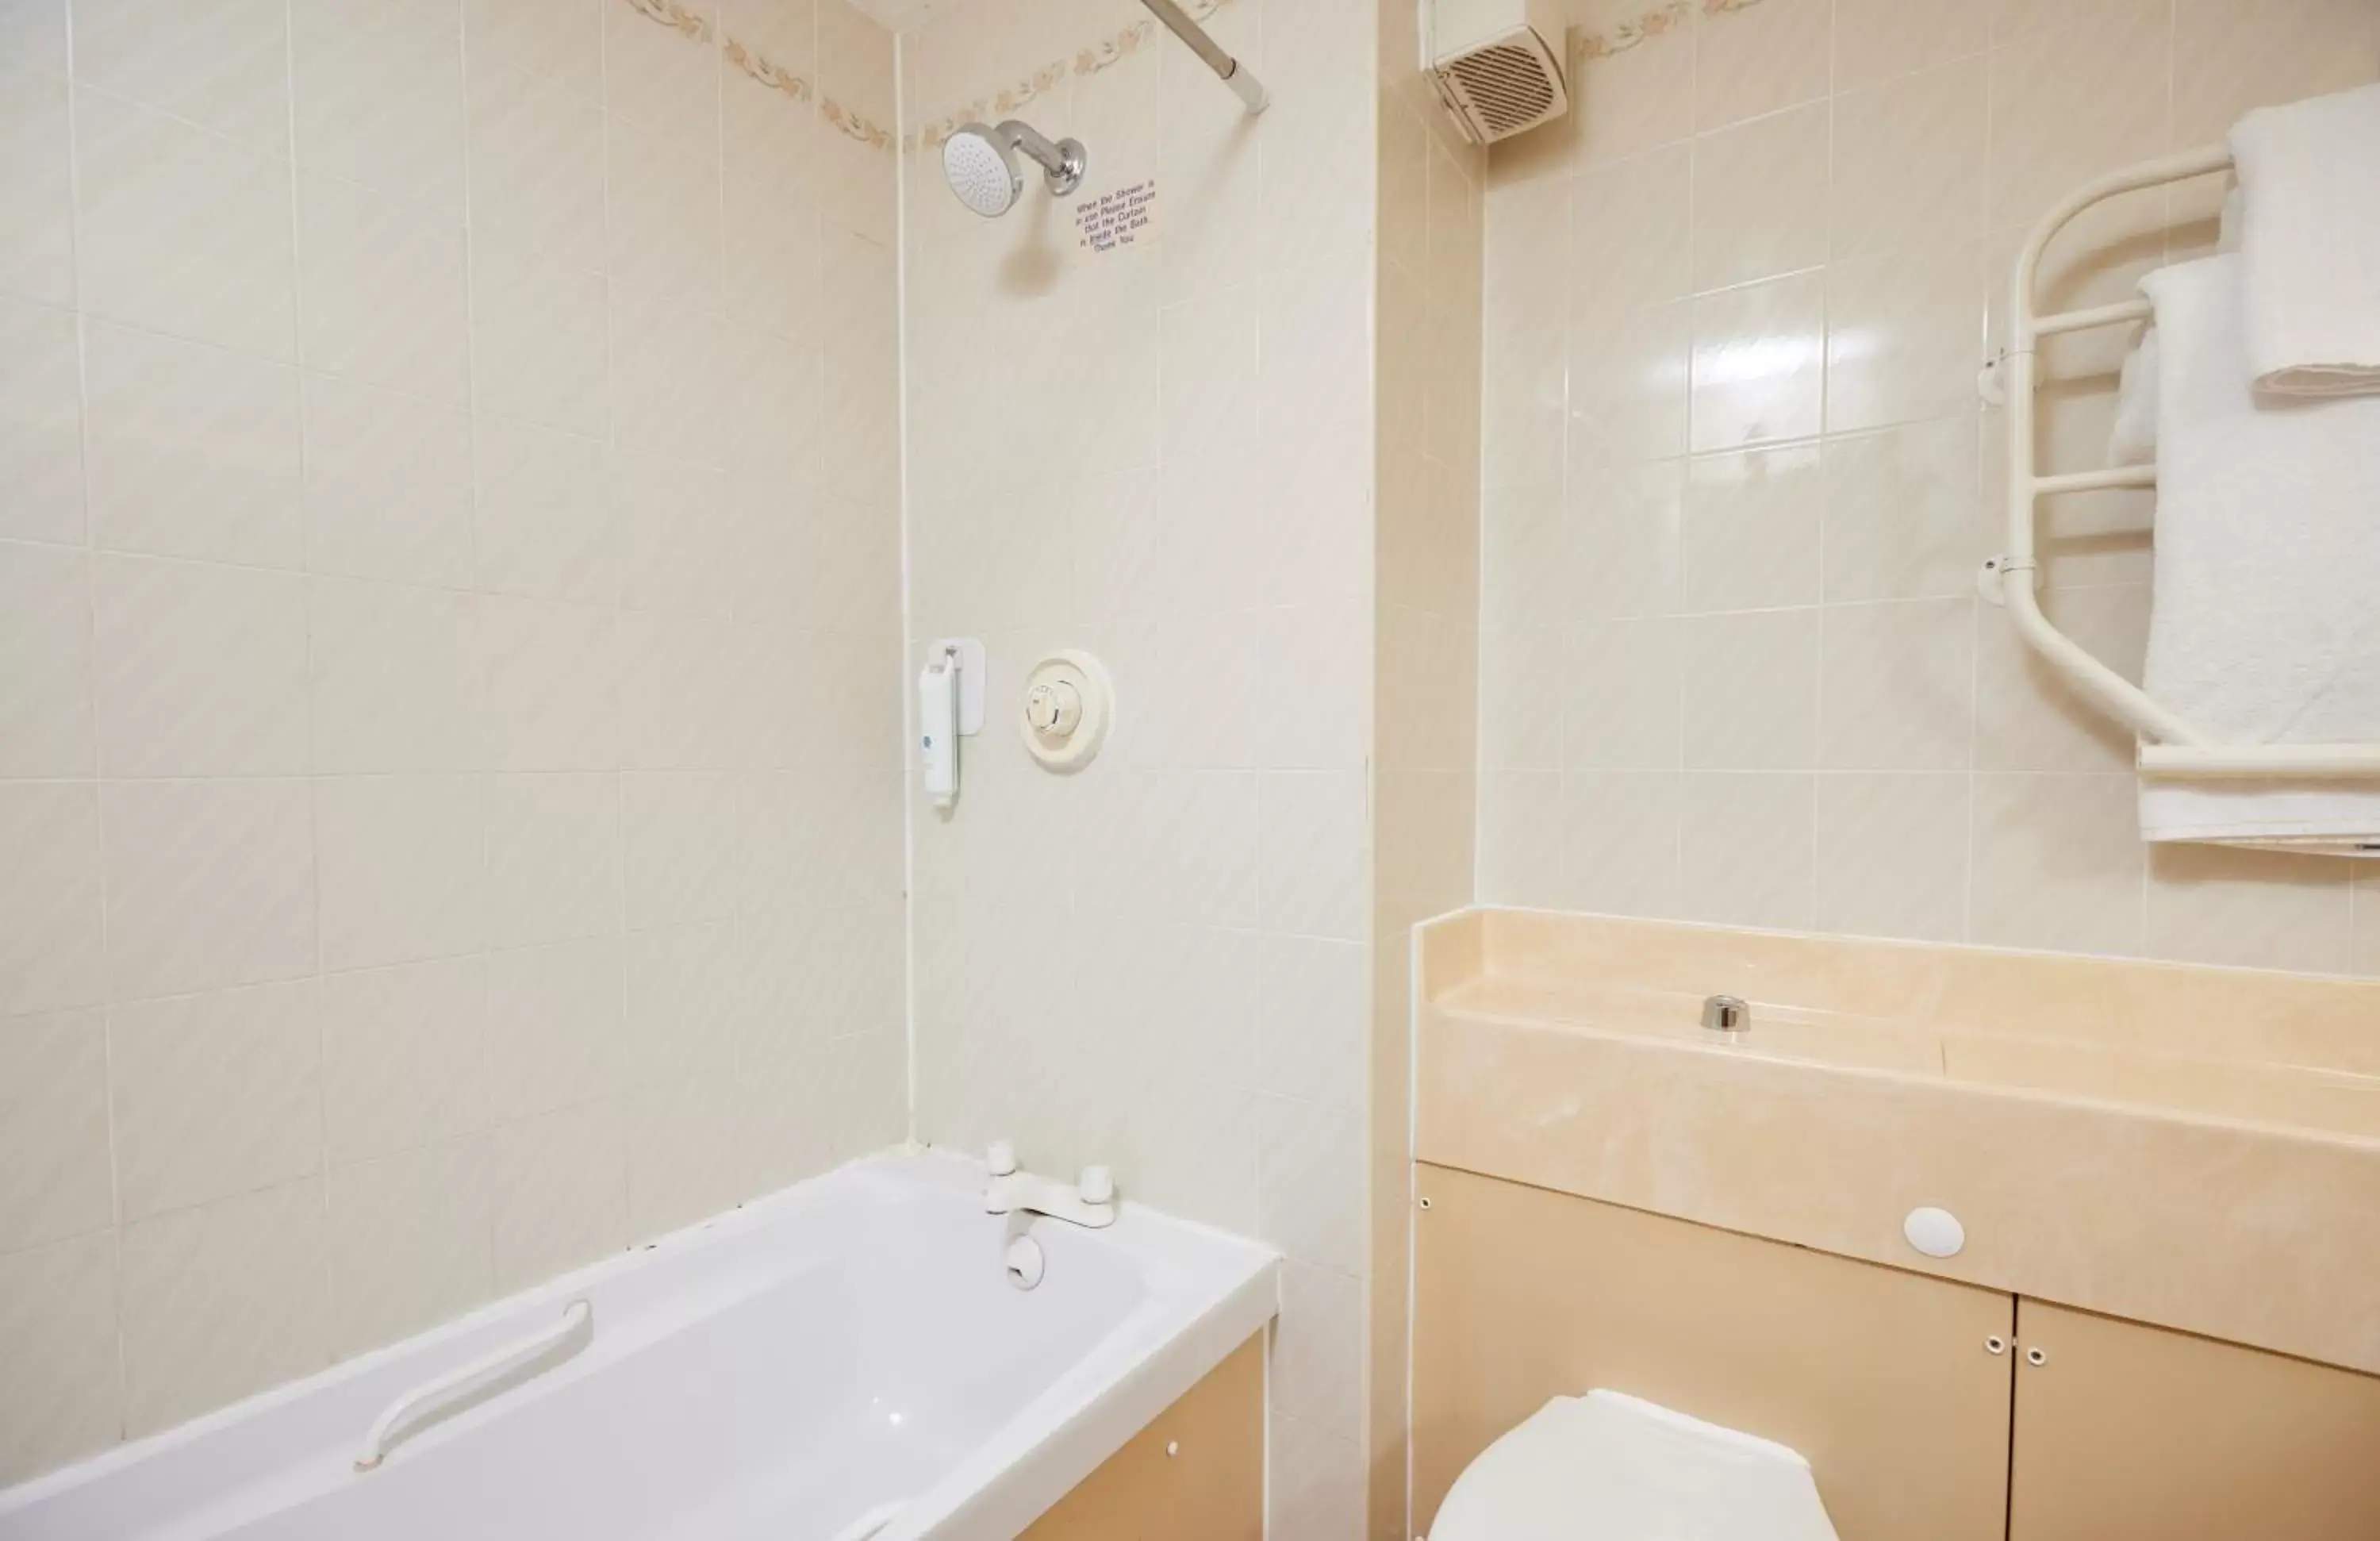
(2169, 745)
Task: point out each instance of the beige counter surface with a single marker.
(2194, 1147)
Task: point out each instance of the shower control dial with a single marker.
(1067, 707)
(1053, 707)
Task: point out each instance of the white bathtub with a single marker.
(785, 1371)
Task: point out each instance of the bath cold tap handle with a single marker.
(482, 1375)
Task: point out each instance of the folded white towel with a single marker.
(2132, 441)
(2265, 628)
(2311, 175)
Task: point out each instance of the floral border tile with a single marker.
(696, 28)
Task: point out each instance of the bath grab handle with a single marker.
(577, 1321)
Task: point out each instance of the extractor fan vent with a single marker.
(1503, 86)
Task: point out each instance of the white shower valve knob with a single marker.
(1053, 708)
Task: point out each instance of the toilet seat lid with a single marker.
(1611, 1467)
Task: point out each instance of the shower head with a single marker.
(980, 162)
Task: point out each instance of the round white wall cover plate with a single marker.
(1936, 1232)
(1067, 708)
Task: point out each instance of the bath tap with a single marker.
(1089, 1200)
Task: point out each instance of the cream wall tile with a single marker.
(1516, 862)
(2253, 909)
(1314, 860)
(37, 241)
(214, 1095)
(562, 40)
(685, 985)
(1897, 686)
(1312, 713)
(557, 1193)
(51, 928)
(1893, 855)
(402, 868)
(1760, 196)
(682, 1158)
(222, 65)
(1626, 545)
(1621, 694)
(1629, 99)
(2230, 56)
(1627, 391)
(379, 98)
(655, 74)
(45, 650)
(409, 1242)
(384, 289)
(1908, 160)
(1904, 516)
(2059, 863)
(1321, 1490)
(1759, 362)
(1875, 39)
(1746, 850)
(1310, 1182)
(1312, 1020)
(1903, 337)
(1619, 835)
(666, 386)
(222, 1300)
(1522, 678)
(676, 692)
(40, 416)
(1526, 577)
(1753, 529)
(397, 679)
(147, 183)
(552, 684)
(673, 521)
(554, 1028)
(662, 211)
(1751, 690)
(1631, 235)
(402, 1057)
(538, 348)
(683, 858)
(388, 486)
(535, 161)
(1760, 58)
(209, 883)
(553, 850)
(56, 1177)
(1317, 1372)
(58, 1334)
(2072, 101)
(193, 451)
(544, 514)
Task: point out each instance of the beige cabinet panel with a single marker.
(1195, 1474)
(2133, 1433)
(1882, 1378)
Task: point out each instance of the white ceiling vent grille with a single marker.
(1504, 85)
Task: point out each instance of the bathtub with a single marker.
(843, 1359)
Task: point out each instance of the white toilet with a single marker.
(1609, 1467)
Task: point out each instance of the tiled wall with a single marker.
(1163, 455)
(1738, 478)
(1426, 663)
(449, 661)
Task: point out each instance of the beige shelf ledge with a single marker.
(2195, 1147)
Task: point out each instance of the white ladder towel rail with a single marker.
(2169, 747)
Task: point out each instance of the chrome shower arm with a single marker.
(1050, 157)
(1249, 90)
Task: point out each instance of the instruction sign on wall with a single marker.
(1121, 217)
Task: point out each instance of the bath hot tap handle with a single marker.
(481, 1373)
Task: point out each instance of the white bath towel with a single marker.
(2132, 440)
(2311, 175)
(2265, 626)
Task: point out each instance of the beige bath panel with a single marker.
(1195, 1474)
(1885, 1380)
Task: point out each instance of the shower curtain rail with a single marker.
(1249, 90)
(2169, 745)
